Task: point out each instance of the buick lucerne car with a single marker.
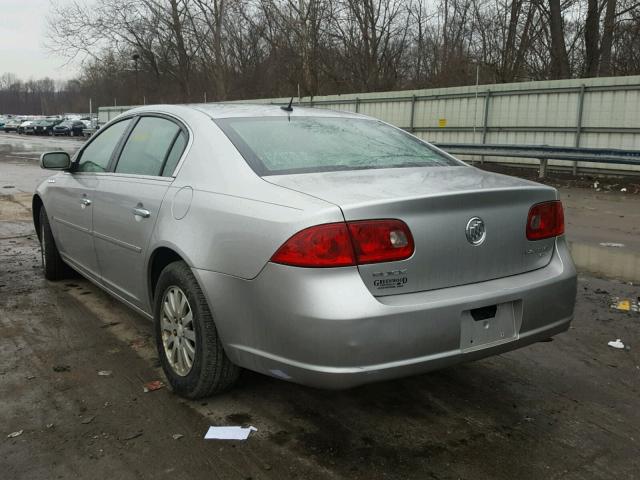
(324, 248)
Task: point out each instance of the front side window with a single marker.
(96, 156)
(147, 147)
(281, 145)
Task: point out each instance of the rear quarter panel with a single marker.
(231, 234)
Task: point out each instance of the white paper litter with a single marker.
(617, 344)
(15, 434)
(229, 433)
(612, 244)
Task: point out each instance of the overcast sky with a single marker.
(23, 29)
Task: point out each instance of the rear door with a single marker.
(70, 199)
(128, 201)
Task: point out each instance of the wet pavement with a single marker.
(19, 157)
(560, 409)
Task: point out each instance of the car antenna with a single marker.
(288, 108)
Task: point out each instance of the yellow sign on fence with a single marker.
(442, 122)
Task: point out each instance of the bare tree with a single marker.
(187, 50)
(592, 39)
(607, 38)
(559, 56)
(208, 22)
(372, 38)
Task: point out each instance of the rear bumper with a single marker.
(322, 327)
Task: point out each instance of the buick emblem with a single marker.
(475, 231)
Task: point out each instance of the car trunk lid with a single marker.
(437, 204)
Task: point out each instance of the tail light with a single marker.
(326, 245)
(347, 244)
(545, 220)
(377, 241)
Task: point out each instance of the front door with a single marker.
(70, 211)
(71, 199)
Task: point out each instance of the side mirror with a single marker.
(55, 160)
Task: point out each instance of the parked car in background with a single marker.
(12, 125)
(30, 129)
(91, 127)
(45, 127)
(2, 122)
(70, 128)
(22, 128)
(320, 247)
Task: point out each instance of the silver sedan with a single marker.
(324, 248)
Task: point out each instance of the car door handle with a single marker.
(141, 212)
(85, 202)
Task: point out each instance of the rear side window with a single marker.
(96, 156)
(174, 154)
(147, 146)
(281, 145)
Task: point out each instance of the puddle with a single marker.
(614, 263)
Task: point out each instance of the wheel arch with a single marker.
(161, 256)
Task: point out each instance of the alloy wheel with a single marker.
(178, 331)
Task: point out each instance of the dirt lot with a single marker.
(561, 409)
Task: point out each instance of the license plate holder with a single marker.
(480, 328)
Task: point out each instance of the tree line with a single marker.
(152, 51)
(41, 97)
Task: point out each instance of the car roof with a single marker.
(230, 110)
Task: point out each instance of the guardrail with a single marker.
(544, 153)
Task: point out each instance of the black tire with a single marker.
(53, 266)
(211, 371)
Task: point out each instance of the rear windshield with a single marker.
(280, 145)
